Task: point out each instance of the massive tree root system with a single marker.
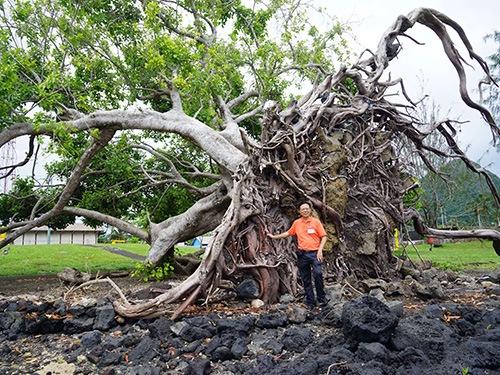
(342, 146)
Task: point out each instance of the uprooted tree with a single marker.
(243, 155)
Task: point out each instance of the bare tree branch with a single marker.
(113, 221)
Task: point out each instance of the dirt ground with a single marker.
(50, 287)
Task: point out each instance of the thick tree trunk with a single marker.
(204, 216)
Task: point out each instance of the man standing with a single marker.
(311, 237)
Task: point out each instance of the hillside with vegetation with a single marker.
(463, 200)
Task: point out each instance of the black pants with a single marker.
(307, 261)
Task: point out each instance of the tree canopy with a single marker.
(178, 114)
(65, 60)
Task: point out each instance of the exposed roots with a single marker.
(338, 146)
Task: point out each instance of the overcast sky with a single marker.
(427, 64)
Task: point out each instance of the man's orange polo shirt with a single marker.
(308, 233)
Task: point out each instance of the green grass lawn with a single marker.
(47, 259)
(50, 259)
(463, 255)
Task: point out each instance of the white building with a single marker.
(78, 234)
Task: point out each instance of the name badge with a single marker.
(310, 230)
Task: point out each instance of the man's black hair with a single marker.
(305, 202)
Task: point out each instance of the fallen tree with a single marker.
(342, 146)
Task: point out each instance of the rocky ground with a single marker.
(431, 322)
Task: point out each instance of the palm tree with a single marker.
(480, 206)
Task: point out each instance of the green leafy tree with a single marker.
(177, 115)
(22, 200)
